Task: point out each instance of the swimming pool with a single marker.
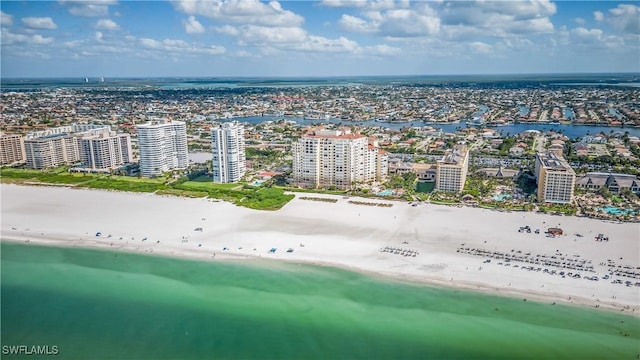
(385, 193)
(612, 210)
(501, 197)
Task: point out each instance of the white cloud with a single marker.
(481, 47)
(598, 15)
(241, 11)
(150, 43)
(45, 23)
(371, 4)
(322, 44)
(463, 20)
(10, 38)
(228, 30)
(587, 33)
(243, 54)
(593, 39)
(193, 26)
(355, 24)
(6, 19)
(93, 8)
(421, 20)
(107, 24)
(381, 50)
(343, 3)
(265, 35)
(274, 40)
(98, 36)
(579, 21)
(408, 23)
(625, 17)
(180, 47)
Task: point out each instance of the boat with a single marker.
(289, 250)
(476, 121)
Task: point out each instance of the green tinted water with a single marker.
(98, 304)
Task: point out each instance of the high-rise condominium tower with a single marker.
(337, 158)
(451, 170)
(163, 147)
(556, 179)
(229, 161)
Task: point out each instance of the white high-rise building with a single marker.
(337, 158)
(451, 170)
(229, 161)
(163, 147)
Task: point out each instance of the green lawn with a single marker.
(425, 187)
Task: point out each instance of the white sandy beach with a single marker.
(346, 235)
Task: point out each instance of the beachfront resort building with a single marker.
(163, 146)
(229, 161)
(615, 183)
(555, 177)
(324, 158)
(90, 147)
(102, 150)
(451, 170)
(11, 149)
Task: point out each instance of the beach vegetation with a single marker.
(265, 199)
(51, 176)
(182, 193)
(566, 209)
(260, 198)
(314, 191)
(329, 200)
(124, 183)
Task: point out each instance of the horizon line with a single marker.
(637, 73)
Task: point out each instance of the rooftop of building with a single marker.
(160, 123)
(606, 175)
(455, 156)
(332, 134)
(553, 161)
(49, 137)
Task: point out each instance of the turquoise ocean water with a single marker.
(99, 304)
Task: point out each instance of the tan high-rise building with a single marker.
(90, 147)
(337, 158)
(51, 151)
(451, 170)
(556, 179)
(103, 149)
(11, 149)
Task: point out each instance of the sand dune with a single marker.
(452, 245)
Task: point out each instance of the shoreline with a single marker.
(407, 279)
(340, 235)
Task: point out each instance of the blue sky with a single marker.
(114, 38)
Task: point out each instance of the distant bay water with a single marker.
(571, 131)
(94, 304)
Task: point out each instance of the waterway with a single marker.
(572, 131)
